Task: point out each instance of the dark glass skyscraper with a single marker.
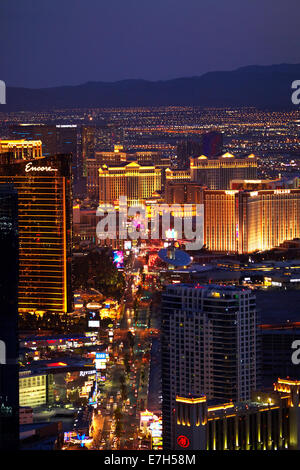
(209, 144)
(9, 380)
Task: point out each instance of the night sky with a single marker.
(64, 42)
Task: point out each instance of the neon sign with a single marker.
(183, 441)
(29, 167)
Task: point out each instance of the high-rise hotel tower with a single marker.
(209, 346)
(44, 225)
(216, 173)
(22, 149)
(247, 221)
(135, 181)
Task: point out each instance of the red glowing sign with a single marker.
(57, 364)
(183, 441)
(152, 259)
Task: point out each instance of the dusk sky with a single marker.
(66, 42)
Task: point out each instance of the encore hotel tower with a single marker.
(44, 225)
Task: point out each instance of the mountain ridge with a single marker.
(267, 86)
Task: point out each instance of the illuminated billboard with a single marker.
(101, 360)
(93, 320)
(127, 245)
(118, 259)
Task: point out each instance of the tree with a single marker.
(96, 269)
(130, 338)
(118, 430)
(126, 362)
(124, 394)
(118, 414)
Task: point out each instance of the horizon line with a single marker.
(182, 77)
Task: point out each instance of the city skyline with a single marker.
(104, 319)
(149, 228)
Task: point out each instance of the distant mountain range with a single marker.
(260, 86)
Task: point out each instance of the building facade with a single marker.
(132, 180)
(276, 350)
(177, 175)
(208, 143)
(209, 346)
(36, 389)
(269, 421)
(218, 172)
(55, 138)
(119, 158)
(47, 134)
(45, 230)
(98, 138)
(110, 159)
(9, 390)
(248, 221)
(22, 149)
(183, 192)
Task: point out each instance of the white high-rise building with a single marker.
(209, 345)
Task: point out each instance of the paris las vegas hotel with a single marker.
(44, 192)
(243, 221)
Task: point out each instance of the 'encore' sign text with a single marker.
(29, 167)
